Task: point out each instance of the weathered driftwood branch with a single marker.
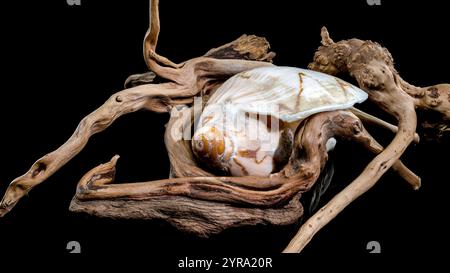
(243, 197)
(193, 199)
(398, 167)
(369, 119)
(200, 75)
(372, 67)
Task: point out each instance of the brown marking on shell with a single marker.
(344, 86)
(206, 119)
(251, 154)
(300, 76)
(243, 169)
(260, 161)
(248, 153)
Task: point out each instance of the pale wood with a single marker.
(195, 200)
(242, 195)
(369, 119)
(373, 68)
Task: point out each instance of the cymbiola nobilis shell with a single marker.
(247, 125)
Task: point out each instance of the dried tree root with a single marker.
(372, 67)
(369, 119)
(198, 216)
(210, 196)
(190, 216)
(200, 75)
(176, 138)
(154, 97)
(403, 171)
(371, 174)
(197, 201)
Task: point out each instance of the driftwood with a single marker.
(195, 200)
(373, 68)
(246, 199)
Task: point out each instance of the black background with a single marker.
(61, 62)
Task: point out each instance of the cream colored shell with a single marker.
(233, 133)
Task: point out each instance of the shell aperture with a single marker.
(240, 127)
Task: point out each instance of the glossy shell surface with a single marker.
(240, 127)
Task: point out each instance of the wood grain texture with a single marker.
(195, 200)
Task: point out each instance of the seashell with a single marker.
(242, 129)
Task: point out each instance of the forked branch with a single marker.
(200, 75)
(372, 67)
(245, 198)
(194, 199)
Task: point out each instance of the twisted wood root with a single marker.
(197, 76)
(195, 201)
(373, 68)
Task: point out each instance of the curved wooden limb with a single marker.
(151, 58)
(372, 67)
(368, 118)
(154, 97)
(139, 79)
(246, 47)
(359, 186)
(217, 199)
(238, 52)
(366, 180)
(177, 139)
(413, 179)
(198, 216)
(157, 98)
(156, 63)
(373, 146)
(200, 75)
